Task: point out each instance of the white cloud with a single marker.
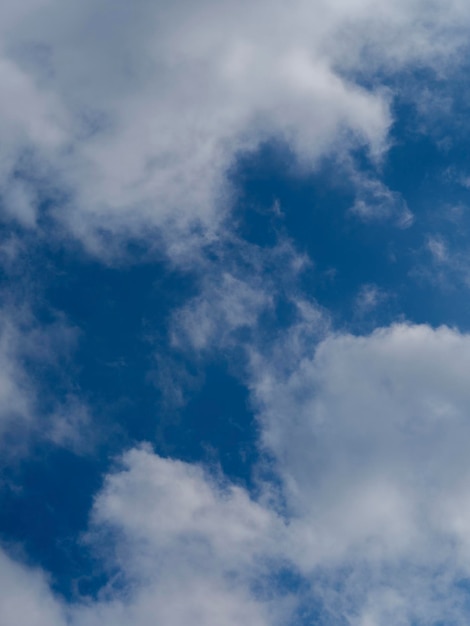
(25, 596)
(135, 113)
(162, 504)
(188, 548)
(369, 436)
(185, 548)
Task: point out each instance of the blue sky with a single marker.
(234, 315)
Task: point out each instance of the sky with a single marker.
(234, 313)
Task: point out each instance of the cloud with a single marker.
(375, 201)
(369, 297)
(247, 296)
(224, 308)
(369, 438)
(15, 393)
(438, 249)
(25, 596)
(444, 261)
(125, 120)
(28, 351)
(239, 283)
(188, 547)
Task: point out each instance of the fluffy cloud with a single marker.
(188, 548)
(370, 437)
(184, 548)
(25, 596)
(124, 118)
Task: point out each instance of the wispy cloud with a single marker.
(28, 348)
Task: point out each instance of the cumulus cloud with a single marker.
(185, 548)
(25, 596)
(190, 548)
(122, 119)
(369, 436)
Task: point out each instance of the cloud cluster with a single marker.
(369, 439)
(123, 120)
